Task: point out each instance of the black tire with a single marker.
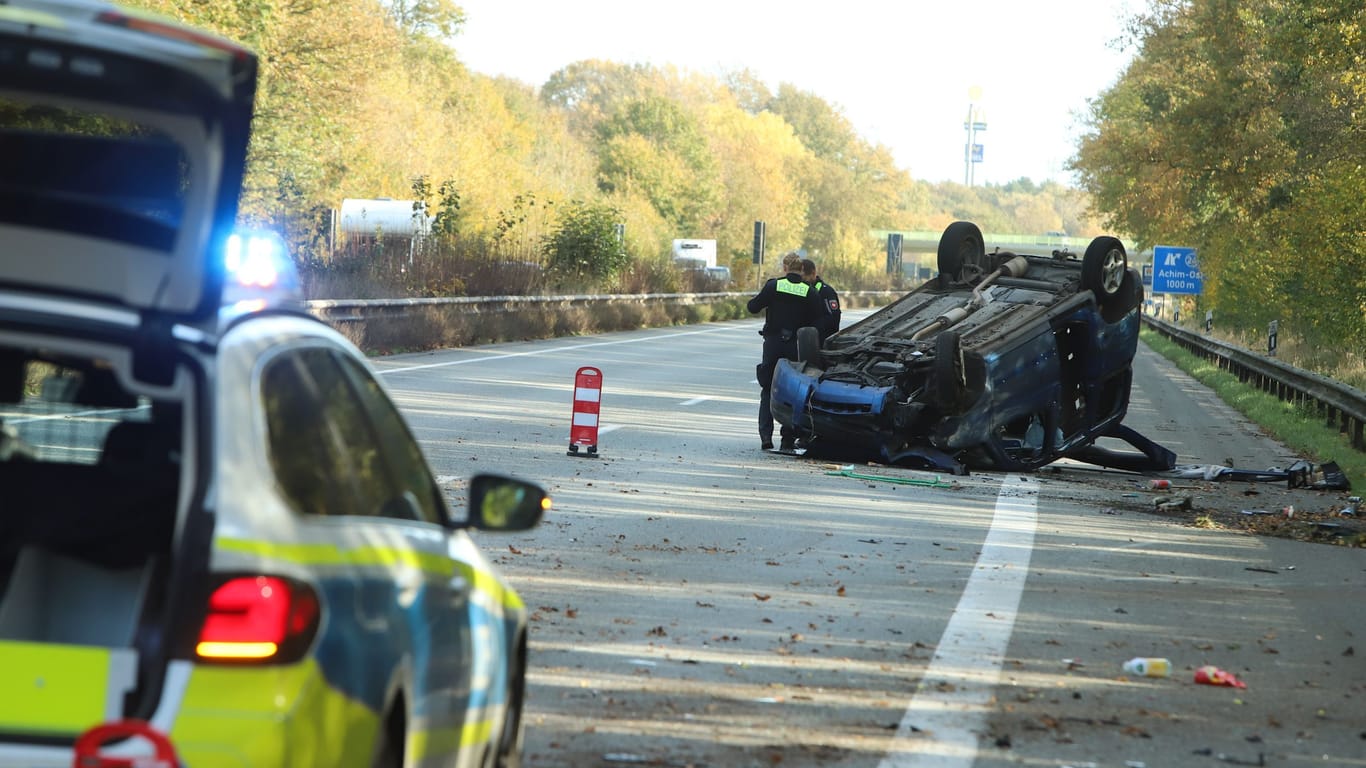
(961, 244)
(510, 743)
(1129, 296)
(948, 375)
(809, 346)
(1103, 268)
(389, 750)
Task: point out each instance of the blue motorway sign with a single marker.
(1176, 270)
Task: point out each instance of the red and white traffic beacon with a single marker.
(583, 429)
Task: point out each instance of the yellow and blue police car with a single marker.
(220, 544)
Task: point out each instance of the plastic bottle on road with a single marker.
(1148, 667)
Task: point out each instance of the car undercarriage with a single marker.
(1003, 361)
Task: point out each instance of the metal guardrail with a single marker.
(360, 310)
(1342, 406)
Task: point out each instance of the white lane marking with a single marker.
(951, 706)
(568, 348)
(696, 400)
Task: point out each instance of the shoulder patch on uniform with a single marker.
(834, 305)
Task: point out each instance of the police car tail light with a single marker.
(259, 619)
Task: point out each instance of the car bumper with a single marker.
(833, 411)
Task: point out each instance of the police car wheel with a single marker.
(389, 750)
(510, 744)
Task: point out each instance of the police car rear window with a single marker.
(90, 174)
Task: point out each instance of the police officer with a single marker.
(830, 301)
(789, 303)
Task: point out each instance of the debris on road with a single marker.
(1172, 503)
(848, 471)
(1211, 675)
(1148, 667)
(1207, 752)
(1300, 474)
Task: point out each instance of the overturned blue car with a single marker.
(1005, 361)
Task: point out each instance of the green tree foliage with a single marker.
(655, 147)
(1238, 130)
(369, 98)
(851, 186)
(583, 248)
(760, 162)
(591, 90)
(439, 19)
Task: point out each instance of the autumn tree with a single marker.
(655, 146)
(1236, 130)
(852, 188)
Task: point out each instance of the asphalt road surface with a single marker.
(697, 602)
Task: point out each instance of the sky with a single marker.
(903, 72)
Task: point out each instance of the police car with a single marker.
(220, 544)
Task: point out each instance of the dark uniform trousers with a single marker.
(777, 345)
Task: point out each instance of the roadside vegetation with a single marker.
(1237, 130)
(1299, 427)
(366, 99)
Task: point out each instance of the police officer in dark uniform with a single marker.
(830, 300)
(789, 303)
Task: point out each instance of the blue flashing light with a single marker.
(258, 269)
(254, 259)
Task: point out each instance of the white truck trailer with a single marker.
(694, 254)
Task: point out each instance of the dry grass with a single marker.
(1332, 360)
(437, 327)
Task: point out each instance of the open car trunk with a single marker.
(123, 142)
(92, 471)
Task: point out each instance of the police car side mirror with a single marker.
(498, 503)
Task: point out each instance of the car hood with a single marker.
(123, 140)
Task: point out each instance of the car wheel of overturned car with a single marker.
(948, 376)
(1103, 268)
(809, 346)
(961, 244)
(1130, 295)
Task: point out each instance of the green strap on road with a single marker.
(935, 483)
